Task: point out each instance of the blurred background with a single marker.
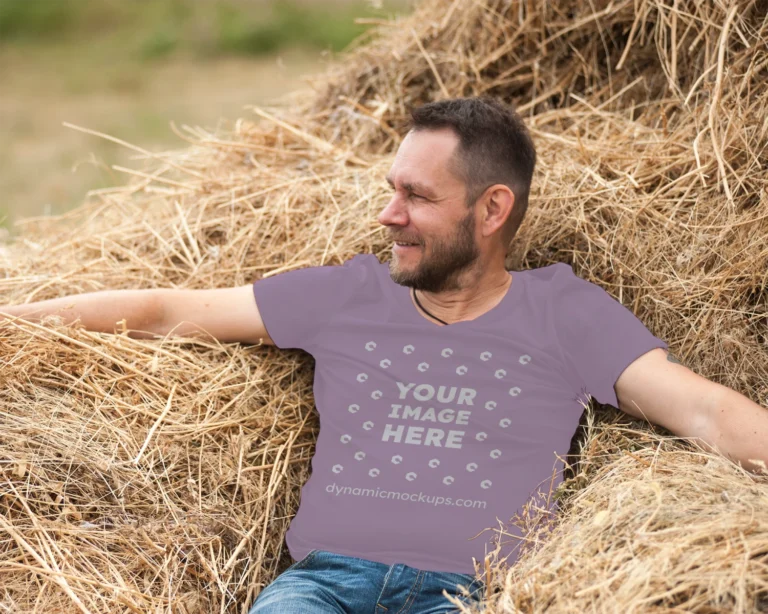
(128, 67)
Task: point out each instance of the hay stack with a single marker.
(145, 476)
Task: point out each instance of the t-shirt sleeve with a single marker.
(599, 337)
(296, 305)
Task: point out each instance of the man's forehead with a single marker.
(425, 158)
(432, 145)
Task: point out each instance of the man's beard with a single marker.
(447, 260)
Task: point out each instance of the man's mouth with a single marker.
(401, 247)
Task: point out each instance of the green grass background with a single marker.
(146, 29)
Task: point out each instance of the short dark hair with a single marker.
(494, 147)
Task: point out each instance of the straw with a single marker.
(161, 475)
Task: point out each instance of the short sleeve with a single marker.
(599, 337)
(295, 305)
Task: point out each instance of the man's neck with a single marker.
(466, 303)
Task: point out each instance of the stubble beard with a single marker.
(447, 260)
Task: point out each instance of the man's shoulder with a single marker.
(552, 269)
(368, 260)
(550, 272)
(362, 267)
(359, 264)
(356, 274)
(559, 282)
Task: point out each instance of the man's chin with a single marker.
(402, 278)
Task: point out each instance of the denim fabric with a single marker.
(328, 583)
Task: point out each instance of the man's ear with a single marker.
(498, 203)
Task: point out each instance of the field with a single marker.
(129, 69)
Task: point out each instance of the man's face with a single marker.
(428, 208)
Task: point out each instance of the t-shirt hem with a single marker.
(437, 567)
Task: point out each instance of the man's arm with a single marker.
(659, 388)
(96, 311)
(739, 428)
(228, 314)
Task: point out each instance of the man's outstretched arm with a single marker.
(96, 311)
(738, 427)
(228, 314)
(659, 388)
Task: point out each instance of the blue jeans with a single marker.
(328, 583)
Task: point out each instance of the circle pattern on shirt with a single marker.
(422, 367)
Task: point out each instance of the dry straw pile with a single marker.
(160, 476)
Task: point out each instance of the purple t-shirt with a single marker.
(430, 433)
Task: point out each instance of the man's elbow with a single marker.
(150, 319)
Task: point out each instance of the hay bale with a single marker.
(161, 475)
(648, 527)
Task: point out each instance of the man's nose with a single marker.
(394, 214)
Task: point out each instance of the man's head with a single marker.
(461, 178)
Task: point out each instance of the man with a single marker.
(446, 384)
